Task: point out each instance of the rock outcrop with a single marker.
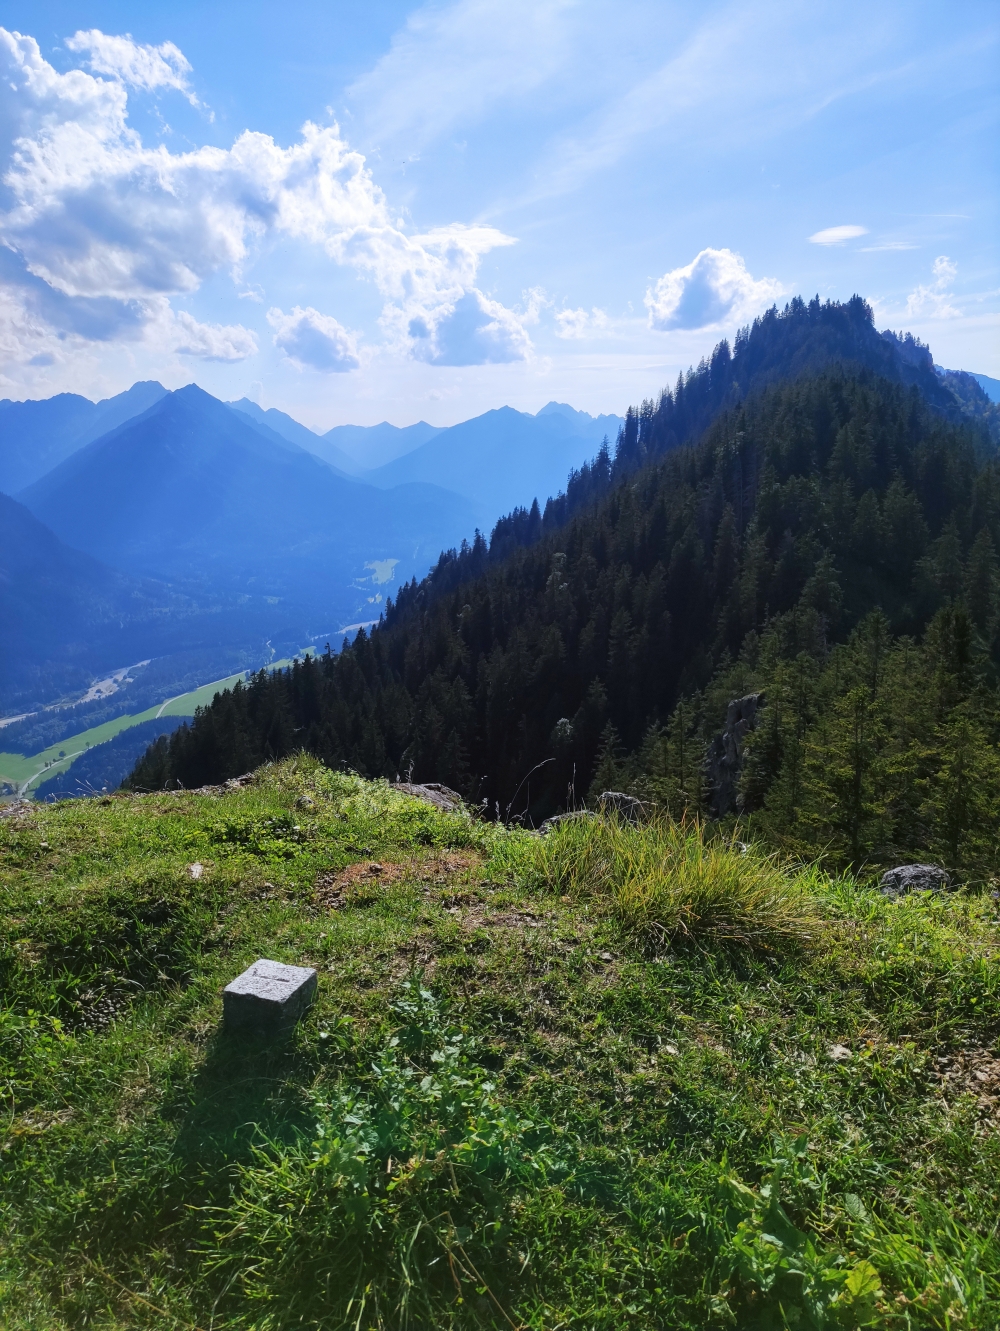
(724, 760)
(442, 797)
(627, 807)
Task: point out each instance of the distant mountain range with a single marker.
(197, 494)
(213, 522)
(504, 458)
(37, 436)
(498, 460)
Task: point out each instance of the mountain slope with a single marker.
(698, 578)
(194, 491)
(504, 457)
(991, 387)
(372, 446)
(66, 616)
(37, 436)
(289, 429)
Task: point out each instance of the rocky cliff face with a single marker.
(724, 759)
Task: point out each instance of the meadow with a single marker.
(613, 1076)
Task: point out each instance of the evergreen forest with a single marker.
(814, 517)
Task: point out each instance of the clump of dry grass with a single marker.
(673, 881)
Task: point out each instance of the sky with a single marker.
(394, 211)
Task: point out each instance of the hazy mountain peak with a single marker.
(554, 408)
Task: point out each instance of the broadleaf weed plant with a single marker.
(396, 1211)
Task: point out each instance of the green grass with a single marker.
(606, 1078)
(670, 883)
(27, 772)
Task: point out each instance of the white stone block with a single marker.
(268, 998)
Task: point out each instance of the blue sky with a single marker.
(392, 211)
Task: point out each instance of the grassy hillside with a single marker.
(609, 1077)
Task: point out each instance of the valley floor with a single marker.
(547, 1082)
(24, 772)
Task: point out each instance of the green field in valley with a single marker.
(27, 772)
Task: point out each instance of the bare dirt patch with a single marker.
(974, 1072)
(358, 884)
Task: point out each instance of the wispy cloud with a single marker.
(144, 67)
(578, 325)
(934, 300)
(837, 235)
(450, 64)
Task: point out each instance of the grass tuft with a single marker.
(672, 882)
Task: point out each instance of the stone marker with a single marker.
(906, 878)
(268, 998)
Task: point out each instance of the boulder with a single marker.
(617, 802)
(573, 816)
(906, 878)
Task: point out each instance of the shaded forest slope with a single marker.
(800, 512)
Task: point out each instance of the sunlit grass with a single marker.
(669, 881)
(612, 1076)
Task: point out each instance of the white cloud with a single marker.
(890, 245)
(219, 342)
(474, 330)
(579, 324)
(713, 288)
(98, 229)
(836, 235)
(935, 300)
(144, 67)
(317, 340)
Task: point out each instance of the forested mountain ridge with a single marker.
(609, 647)
(778, 346)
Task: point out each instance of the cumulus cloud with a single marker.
(144, 67)
(713, 288)
(836, 235)
(94, 216)
(317, 340)
(220, 342)
(934, 300)
(579, 324)
(474, 330)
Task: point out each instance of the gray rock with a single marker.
(906, 878)
(443, 798)
(572, 817)
(268, 998)
(625, 806)
(724, 759)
